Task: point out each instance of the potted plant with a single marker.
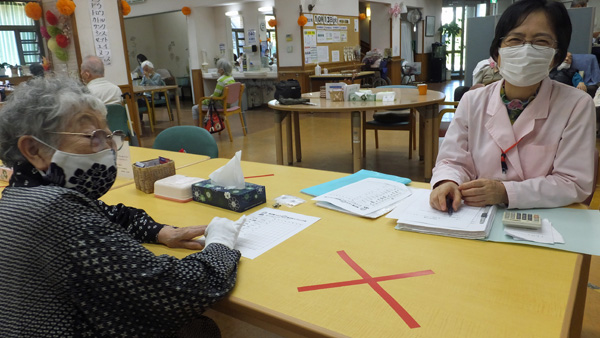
(449, 31)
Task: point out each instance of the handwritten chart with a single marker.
(100, 31)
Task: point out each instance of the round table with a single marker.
(406, 98)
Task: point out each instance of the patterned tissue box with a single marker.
(232, 199)
(358, 96)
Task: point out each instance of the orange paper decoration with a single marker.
(302, 20)
(272, 23)
(126, 7)
(362, 16)
(186, 10)
(65, 7)
(33, 10)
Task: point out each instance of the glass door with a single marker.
(458, 12)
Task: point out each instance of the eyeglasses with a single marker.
(100, 138)
(539, 43)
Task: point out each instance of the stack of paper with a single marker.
(371, 197)
(326, 187)
(415, 214)
(546, 234)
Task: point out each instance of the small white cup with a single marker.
(325, 71)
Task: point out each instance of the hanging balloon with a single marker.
(33, 10)
(54, 31)
(62, 41)
(51, 18)
(44, 32)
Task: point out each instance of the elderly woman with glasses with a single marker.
(525, 141)
(73, 265)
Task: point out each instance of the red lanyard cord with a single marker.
(503, 156)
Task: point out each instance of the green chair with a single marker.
(117, 120)
(192, 139)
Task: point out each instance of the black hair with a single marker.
(36, 69)
(141, 58)
(515, 14)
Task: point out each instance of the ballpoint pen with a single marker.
(484, 214)
(449, 205)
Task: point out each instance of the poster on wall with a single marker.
(310, 38)
(323, 53)
(335, 55)
(310, 55)
(252, 36)
(309, 20)
(100, 31)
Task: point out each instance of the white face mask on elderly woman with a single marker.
(524, 65)
(90, 174)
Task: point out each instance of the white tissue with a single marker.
(230, 175)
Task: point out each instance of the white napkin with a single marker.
(230, 175)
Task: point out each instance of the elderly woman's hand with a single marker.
(182, 237)
(482, 192)
(446, 190)
(581, 86)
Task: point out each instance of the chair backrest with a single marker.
(234, 93)
(166, 76)
(192, 139)
(117, 120)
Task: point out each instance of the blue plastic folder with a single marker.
(357, 176)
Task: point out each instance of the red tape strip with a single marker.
(374, 283)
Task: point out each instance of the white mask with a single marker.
(524, 66)
(90, 174)
(564, 65)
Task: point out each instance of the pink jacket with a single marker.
(553, 163)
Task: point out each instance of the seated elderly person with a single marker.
(569, 75)
(92, 74)
(224, 69)
(73, 266)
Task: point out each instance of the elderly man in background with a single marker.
(92, 74)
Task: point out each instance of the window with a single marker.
(20, 35)
(237, 34)
(271, 36)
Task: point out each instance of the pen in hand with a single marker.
(449, 205)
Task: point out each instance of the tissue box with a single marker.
(358, 96)
(5, 173)
(232, 199)
(385, 96)
(176, 188)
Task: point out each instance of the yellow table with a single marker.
(182, 160)
(426, 105)
(466, 288)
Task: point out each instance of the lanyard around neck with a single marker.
(503, 156)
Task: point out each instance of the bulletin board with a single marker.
(327, 38)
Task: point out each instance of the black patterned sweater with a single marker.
(72, 266)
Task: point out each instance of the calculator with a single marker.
(522, 220)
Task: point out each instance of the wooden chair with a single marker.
(232, 104)
(149, 109)
(403, 119)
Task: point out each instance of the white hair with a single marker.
(147, 63)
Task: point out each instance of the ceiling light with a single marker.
(368, 12)
(232, 13)
(265, 9)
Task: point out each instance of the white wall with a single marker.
(380, 26)
(116, 72)
(153, 36)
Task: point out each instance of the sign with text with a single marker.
(325, 19)
(100, 31)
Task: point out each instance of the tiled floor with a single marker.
(326, 145)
